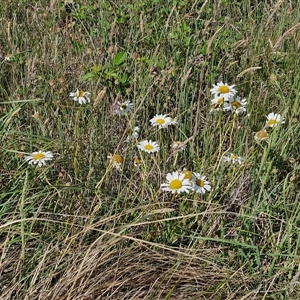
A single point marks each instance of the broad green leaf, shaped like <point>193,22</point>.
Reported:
<point>119,58</point>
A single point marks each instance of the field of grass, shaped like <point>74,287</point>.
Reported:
<point>82,228</point>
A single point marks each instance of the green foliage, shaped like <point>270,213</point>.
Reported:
<point>112,74</point>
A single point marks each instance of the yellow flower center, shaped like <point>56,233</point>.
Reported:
<point>148,147</point>
<point>117,159</point>
<point>81,93</point>
<point>236,104</point>
<point>124,106</point>
<point>160,121</point>
<point>234,157</point>
<point>39,156</point>
<point>272,122</point>
<point>187,174</point>
<point>36,116</point>
<point>175,184</point>
<point>223,89</point>
<point>200,182</point>
<point>220,101</point>
<point>261,135</point>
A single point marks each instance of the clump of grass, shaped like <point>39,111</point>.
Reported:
<point>92,220</point>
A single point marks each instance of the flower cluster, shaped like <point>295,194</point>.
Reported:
<point>186,182</point>
<point>178,182</point>
<point>161,121</point>
<point>225,99</point>
<point>148,145</point>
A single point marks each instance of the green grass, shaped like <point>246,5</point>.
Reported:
<point>78,228</point>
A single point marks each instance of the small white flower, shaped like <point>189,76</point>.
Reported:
<point>217,100</point>
<point>219,103</point>
<point>7,57</point>
<point>161,121</point>
<point>123,108</point>
<point>116,160</point>
<point>200,184</point>
<point>223,90</point>
<point>132,134</point>
<point>274,119</point>
<point>39,158</point>
<point>238,105</point>
<point>81,97</point>
<point>36,115</point>
<point>176,183</point>
<point>234,159</point>
<point>148,146</point>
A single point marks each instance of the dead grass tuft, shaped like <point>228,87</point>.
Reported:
<point>132,272</point>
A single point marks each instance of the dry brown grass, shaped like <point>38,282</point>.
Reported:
<point>130,272</point>
<point>119,267</point>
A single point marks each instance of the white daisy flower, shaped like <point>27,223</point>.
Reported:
<point>39,158</point>
<point>7,57</point>
<point>261,135</point>
<point>200,184</point>
<point>219,103</point>
<point>223,90</point>
<point>217,100</point>
<point>161,121</point>
<point>176,183</point>
<point>133,133</point>
<point>123,108</point>
<point>81,96</point>
<point>36,115</point>
<point>274,119</point>
<point>238,105</point>
<point>148,146</point>
<point>234,159</point>
<point>116,160</point>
